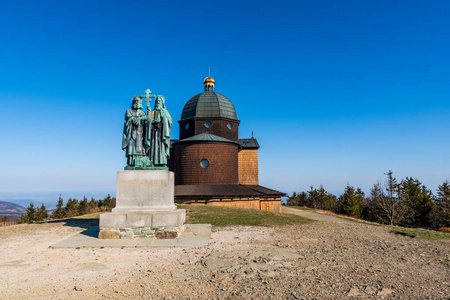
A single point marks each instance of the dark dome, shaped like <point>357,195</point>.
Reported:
<point>209,104</point>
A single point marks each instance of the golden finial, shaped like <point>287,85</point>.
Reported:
<point>209,83</point>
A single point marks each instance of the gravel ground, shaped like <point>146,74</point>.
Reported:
<point>328,259</point>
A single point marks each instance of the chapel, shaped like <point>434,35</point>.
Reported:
<point>212,165</point>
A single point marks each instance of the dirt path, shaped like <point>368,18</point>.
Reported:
<point>312,215</point>
<point>328,259</point>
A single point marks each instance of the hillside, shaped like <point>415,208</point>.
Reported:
<point>11,208</point>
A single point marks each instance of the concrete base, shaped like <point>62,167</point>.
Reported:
<point>144,205</point>
<point>145,190</point>
<point>197,235</point>
<point>173,218</point>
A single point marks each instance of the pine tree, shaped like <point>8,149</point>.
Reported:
<point>71,208</point>
<point>83,206</point>
<point>59,211</point>
<point>292,200</point>
<point>349,202</point>
<point>313,197</point>
<point>41,213</point>
<point>375,213</point>
<point>4,220</point>
<point>112,203</point>
<point>302,199</point>
<point>92,205</point>
<point>442,210</point>
<point>419,201</point>
<point>30,215</point>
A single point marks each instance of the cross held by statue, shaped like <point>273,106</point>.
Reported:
<point>147,97</point>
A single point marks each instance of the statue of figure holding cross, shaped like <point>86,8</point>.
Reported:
<point>135,135</point>
<point>146,136</point>
<point>160,132</point>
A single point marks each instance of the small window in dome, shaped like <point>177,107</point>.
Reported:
<point>230,126</point>
<point>207,124</point>
<point>186,126</point>
<point>204,163</point>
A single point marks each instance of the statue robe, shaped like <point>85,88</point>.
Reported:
<point>160,142</point>
<point>135,135</point>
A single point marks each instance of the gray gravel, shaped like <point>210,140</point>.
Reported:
<point>327,259</point>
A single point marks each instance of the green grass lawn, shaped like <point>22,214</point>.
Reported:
<point>90,216</point>
<point>216,216</point>
<point>303,208</point>
<point>420,233</point>
<point>226,216</point>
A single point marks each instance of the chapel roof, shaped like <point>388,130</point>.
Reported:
<point>250,143</point>
<point>209,104</point>
<point>225,190</point>
<point>206,137</point>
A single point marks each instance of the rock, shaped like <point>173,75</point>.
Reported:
<point>166,234</point>
<point>384,292</point>
<point>354,292</point>
<point>128,235</point>
<point>160,234</point>
<point>310,268</point>
<point>171,234</point>
<point>109,234</point>
<point>370,290</point>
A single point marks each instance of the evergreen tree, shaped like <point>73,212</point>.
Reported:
<point>325,200</point>
<point>29,216</point>
<point>349,202</point>
<point>108,203</point>
<point>41,213</point>
<point>59,211</point>
<point>83,206</point>
<point>292,200</point>
<point>112,203</point>
<point>4,220</point>
<point>297,199</point>
<point>419,201</point>
<point>313,197</point>
<point>375,213</point>
<point>92,205</point>
<point>71,208</point>
<point>442,209</point>
<point>31,213</point>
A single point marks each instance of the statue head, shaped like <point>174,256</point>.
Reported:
<point>137,102</point>
<point>160,102</point>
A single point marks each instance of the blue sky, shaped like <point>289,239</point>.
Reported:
<point>336,92</point>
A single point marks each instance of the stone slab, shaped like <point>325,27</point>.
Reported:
<point>145,190</point>
<point>199,229</point>
<point>193,241</point>
<point>88,239</point>
<point>174,218</point>
<point>163,243</point>
<point>120,243</point>
<point>114,220</point>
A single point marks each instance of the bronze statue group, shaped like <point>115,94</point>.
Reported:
<point>146,137</point>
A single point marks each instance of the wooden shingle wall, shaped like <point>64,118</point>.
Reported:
<point>248,166</point>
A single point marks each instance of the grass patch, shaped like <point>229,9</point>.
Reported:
<point>90,216</point>
<point>303,208</point>
<point>359,221</point>
<point>420,233</point>
<point>227,216</point>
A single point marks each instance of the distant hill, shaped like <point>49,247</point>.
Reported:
<point>11,208</point>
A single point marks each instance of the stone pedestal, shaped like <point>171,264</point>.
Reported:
<point>144,206</point>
